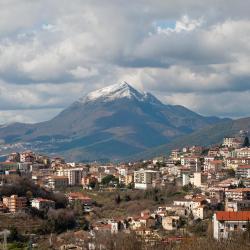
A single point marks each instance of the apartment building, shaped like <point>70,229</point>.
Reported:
<point>74,175</point>
<point>144,179</point>
<point>238,194</point>
<point>243,152</point>
<point>15,203</point>
<point>57,182</point>
<point>243,171</point>
<point>228,141</point>
<point>236,206</point>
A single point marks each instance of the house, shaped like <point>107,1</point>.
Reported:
<point>57,182</point>
<point>3,208</point>
<point>15,203</point>
<point>200,212</point>
<point>198,207</point>
<point>42,204</point>
<point>87,180</point>
<point>226,223</point>
<point>27,156</point>
<point>170,222</point>
<point>79,197</point>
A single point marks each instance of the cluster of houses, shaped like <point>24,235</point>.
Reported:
<point>220,173</point>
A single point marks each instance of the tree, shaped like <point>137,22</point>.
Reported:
<point>241,185</point>
<point>15,235</point>
<point>60,220</point>
<point>92,184</point>
<point>117,199</point>
<point>127,197</point>
<point>246,142</point>
<point>231,172</point>
<point>109,179</point>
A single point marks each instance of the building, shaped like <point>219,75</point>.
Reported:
<point>42,204</point>
<point>193,162</point>
<point>243,171</point>
<point>185,179</point>
<point>74,175</point>
<point>197,179</point>
<point>3,208</point>
<point>227,223</point>
<point>243,152</point>
<point>15,203</point>
<point>27,156</point>
<point>57,182</point>
<point>170,222</point>
<point>144,179</point>
<point>217,192</point>
<point>238,194</point>
<point>228,142</point>
<point>79,197</point>
<point>236,206</point>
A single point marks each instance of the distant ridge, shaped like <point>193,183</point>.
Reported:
<point>112,123</point>
<point>211,135</point>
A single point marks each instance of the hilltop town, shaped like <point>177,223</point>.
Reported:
<point>195,195</point>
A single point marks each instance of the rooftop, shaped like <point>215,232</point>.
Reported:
<point>233,216</point>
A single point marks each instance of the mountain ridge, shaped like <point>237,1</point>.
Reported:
<point>113,122</point>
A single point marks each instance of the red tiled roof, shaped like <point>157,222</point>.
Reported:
<point>244,166</point>
<point>239,190</point>
<point>233,216</point>
<point>42,199</point>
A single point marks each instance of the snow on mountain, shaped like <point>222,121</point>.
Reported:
<point>114,92</point>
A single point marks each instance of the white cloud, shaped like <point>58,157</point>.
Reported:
<point>184,24</point>
<point>49,48</point>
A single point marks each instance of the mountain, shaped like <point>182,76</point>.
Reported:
<point>211,135</point>
<point>112,123</point>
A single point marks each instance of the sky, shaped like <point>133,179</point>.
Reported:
<point>192,53</point>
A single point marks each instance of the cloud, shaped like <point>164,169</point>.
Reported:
<point>192,50</point>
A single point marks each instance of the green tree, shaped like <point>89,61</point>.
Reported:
<point>14,235</point>
<point>110,179</point>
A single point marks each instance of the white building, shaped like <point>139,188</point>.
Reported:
<point>228,141</point>
<point>197,179</point>
<point>185,179</point>
<point>227,223</point>
<point>74,175</point>
<point>42,204</point>
<point>242,153</point>
<point>144,179</point>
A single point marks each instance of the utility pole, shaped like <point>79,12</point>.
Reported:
<point>5,234</point>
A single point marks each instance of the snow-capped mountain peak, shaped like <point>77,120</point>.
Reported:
<point>113,92</point>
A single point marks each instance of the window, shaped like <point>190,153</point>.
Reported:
<point>221,230</point>
<point>235,227</point>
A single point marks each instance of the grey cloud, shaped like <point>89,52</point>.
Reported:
<point>49,48</point>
